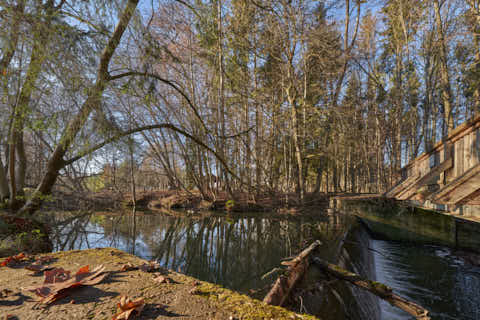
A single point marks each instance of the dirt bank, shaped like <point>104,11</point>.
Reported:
<point>183,298</point>
<point>191,201</point>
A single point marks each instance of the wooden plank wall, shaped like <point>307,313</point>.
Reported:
<point>465,150</point>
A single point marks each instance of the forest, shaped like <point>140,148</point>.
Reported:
<point>253,96</point>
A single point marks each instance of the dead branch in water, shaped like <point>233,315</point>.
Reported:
<point>376,288</point>
<point>285,283</point>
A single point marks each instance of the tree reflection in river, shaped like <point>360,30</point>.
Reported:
<point>232,251</point>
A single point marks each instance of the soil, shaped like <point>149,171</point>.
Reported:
<point>163,300</point>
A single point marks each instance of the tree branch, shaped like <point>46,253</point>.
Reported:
<point>151,127</point>
<point>167,82</point>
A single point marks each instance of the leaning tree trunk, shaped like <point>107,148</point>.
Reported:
<point>286,282</point>
<point>56,161</point>
<point>377,288</point>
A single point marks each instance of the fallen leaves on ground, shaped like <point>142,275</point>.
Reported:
<point>37,268</point>
<point>38,265</point>
<point>161,279</point>
<point>128,267</point>
<point>44,259</point>
<point>194,291</point>
<point>58,282</point>
<point>150,266</point>
<point>13,259</point>
<point>127,307</point>
<point>5,293</point>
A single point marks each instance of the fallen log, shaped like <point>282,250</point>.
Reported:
<point>377,288</point>
<point>285,282</point>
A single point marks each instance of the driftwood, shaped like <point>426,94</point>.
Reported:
<point>376,288</point>
<point>285,283</point>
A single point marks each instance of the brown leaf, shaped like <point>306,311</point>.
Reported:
<point>5,293</point>
<point>43,259</point>
<point>13,259</point>
<point>162,279</point>
<point>150,266</point>
<point>128,267</point>
<point>37,268</point>
<point>58,282</point>
<point>194,290</point>
<point>126,308</point>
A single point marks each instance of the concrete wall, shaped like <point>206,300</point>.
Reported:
<point>394,220</point>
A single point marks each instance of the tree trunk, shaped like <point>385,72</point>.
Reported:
<point>56,161</point>
<point>296,145</point>
<point>376,288</point>
<point>444,75</point>
<point>286,282</point>
<point>4,192</point>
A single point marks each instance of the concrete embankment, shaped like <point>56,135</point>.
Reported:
<point>400,220</point>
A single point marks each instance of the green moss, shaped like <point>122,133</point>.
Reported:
<point>381,287</point>
<point>245,307</point>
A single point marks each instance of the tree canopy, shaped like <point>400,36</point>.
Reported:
<point>237,95</point>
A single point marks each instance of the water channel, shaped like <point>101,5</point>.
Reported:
<point>236,251</point>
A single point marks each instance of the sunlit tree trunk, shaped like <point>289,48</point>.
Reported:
<point>56,160</point>
<point>444,74</point>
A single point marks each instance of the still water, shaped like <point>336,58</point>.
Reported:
<point>236,251</point>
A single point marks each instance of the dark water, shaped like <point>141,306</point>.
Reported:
<point>231,251</point>
<point>432,276</point>
<point>236,251</point>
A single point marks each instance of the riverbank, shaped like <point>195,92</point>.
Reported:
<point>177,296</point>
<point>193,201</point>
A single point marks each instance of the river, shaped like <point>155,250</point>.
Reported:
<point>238,251</point>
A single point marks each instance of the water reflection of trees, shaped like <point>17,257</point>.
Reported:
<point>234,252</point>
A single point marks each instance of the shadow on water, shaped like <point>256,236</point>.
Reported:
<point>235,251</point>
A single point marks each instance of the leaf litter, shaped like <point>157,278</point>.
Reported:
<point>59,283</point>
<point>127,308</point>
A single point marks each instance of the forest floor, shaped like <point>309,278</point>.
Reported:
<point>191,201</point>
<point>166,293</point>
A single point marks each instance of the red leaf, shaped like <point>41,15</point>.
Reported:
<point>12,259</point>
<point>58,282</point>
<point>83,270</point>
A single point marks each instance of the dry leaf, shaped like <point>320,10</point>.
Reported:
<point>38,265</point>
<point>5,293</point>
<point>13,259</point>
<point>43,259</point>
<point>126,308</point>
<point>38,268</point>
<point>150,266</point>
<point>58,282</point>
<point>162,279</point>
<point>128,267</point>
<point>194,290</point>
